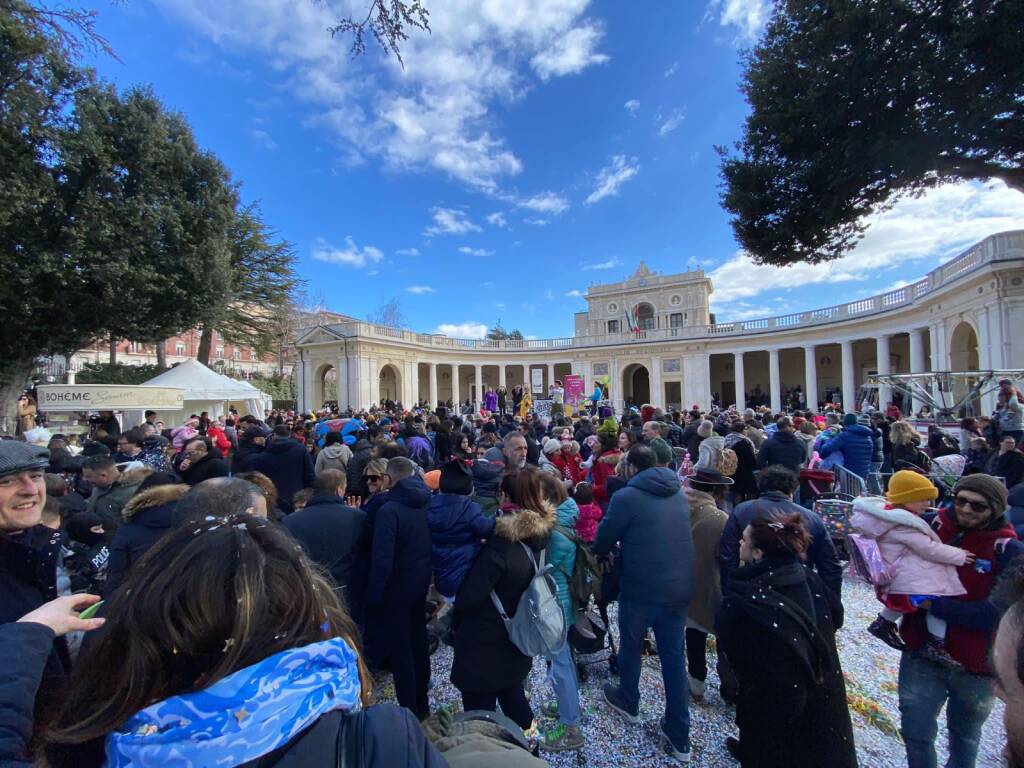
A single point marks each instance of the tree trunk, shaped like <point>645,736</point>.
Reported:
<point>205,342</point>
<point>14,375</point>
<point>113,351</point>
<point>161,355</point>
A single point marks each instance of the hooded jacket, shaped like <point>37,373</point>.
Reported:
<point>147,517</point>
<point>108,502</point>
<point>709,452</point>
<point>486,660</point>
<point>563,556</point>
<point>744,482</point>
<point>782,448</point>
<point>971,618</point>
<point>335,456</point>
<point>603,468</point>
<point>361,453</point>
<point>209,466</point>
<point>401,551</point>
<point>651,520</point>
<point>486,479</point>
<point>329,531</point>
<point>857,445</point>
<point>457,528</point>
<point>706,524</point>
<point>921,563</point>
<point>287,462</point>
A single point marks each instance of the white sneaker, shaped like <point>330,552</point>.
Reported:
<point>697,687</point>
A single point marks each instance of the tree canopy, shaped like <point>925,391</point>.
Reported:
<point>855,104</point>
<point>498,333</point>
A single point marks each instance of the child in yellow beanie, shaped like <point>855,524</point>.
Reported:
<point>919,566</point>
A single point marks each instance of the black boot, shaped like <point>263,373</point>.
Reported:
<point>887,632</point>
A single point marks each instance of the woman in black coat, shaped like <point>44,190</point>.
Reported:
<point>744,483</point>
<point>776,627</point>
<point>488,668</point>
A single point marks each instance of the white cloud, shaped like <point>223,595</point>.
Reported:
<point>916,235</point>
<point>419,290</point>
<point>671,122</point>
<point>438,112</point>
<point>575,293</point>
<point>263,138</point>
<point>351,255</point>
<point>450,221</point>
<point>497,220</point>
<point>613,176</point>
<point>536,222</point>
<point>570,54</point>
<point>608,264</point>
<point>475,251</point>
<point>632,106</point>
<point>673,68</point>
<point>747,17</point>
<point>470,329</point>
<point>545,202</point>
<point>408,252</point>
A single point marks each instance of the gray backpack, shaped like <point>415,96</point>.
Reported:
<point>539,624</point>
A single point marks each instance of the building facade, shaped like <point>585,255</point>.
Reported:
<point>655,340</point>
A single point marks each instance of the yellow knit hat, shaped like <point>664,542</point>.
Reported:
<point>907,485</point>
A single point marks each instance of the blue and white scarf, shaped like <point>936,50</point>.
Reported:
<point>246,715</point>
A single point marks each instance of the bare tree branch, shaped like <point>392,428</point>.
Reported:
<point>388,20</point>
<point>73,29</point>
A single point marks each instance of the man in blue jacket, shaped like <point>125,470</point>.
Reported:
<point>777,484</point>
<point>399,578</point>
<point>783,448</point>
<point>287,462</point>
<point>649,518</point>
<point>856,443</point>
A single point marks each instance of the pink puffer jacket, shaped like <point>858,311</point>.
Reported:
<point>922,564</point>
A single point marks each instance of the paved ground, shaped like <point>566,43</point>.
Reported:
<point>870,669</point>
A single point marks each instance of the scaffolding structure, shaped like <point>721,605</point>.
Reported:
<point>949,395</point>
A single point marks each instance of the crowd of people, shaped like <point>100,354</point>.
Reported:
<point>228,590</point>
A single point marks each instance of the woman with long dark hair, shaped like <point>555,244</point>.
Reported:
<point>777,629</point>
<point>224,646</point>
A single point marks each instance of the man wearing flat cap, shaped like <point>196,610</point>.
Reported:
<point>28,549</point>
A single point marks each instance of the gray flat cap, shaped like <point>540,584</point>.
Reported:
<point>16,456</point>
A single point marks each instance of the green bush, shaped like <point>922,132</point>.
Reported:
<point>118,373</point>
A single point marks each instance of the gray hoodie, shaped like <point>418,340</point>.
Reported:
<point>333,457</point>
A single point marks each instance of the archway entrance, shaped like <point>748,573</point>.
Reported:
<point>645,317</point>
<point>636,385</point>
<point>325,385</point>
<point>390,383</point>
<point>963,356</point>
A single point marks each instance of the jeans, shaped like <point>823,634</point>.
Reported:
<point>562,677</point>
<point>668,622</point>
<point>874,480</point>
<point>924,686</point>
<point>512,700</point>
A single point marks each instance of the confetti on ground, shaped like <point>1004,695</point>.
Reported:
<point>870,668</point>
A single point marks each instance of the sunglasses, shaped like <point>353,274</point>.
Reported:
<point>976,506</point>
<point>372,478</point>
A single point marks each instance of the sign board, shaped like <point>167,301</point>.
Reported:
<point>109,397</point>
<point>542,409</point>
<point>574,389</point>
<point>537,381</point>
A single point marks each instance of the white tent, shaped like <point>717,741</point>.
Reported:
<point>207,390</point>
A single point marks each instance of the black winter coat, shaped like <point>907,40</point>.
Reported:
<point>244,457</point>
<point>400,552</point>
<point>28,578</point>
<point>287,462</point>
<point>692,440</point>
<point>743,480</point>
<point>30,644</point>
<point>147,517</point>
<point>782,448</point>
<point>210,466</point>
<point>361,452</point>
<point>486,661</point>
<point>776,627</point>
<point>330,532</point>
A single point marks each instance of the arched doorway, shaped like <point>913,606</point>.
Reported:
<point>390,383</point>
<point>963,356</point>
<point>325,385</point>
<point>636,384</point>
<point>645,316</point>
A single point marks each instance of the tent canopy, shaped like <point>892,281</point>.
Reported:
<point>207,390</point>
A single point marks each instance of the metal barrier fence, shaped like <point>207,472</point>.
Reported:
<point>849,483</point>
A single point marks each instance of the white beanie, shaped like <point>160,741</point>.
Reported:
<point>706,428</point>
<point>551,445</point>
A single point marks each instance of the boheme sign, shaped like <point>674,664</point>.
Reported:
<point>108,397</point>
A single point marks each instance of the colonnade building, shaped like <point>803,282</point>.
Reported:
<point>654,340</point>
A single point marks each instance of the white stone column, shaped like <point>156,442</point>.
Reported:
<point>456,395</point>
<point>774,381</point>
<point>940,347</point>
<point>811,377</point>
<point>614,385</point>
<point>849,378</point>
<point>883,361</point>
<point>741,380</point>
<point>697,380</point>
<point>478,373</point>
<point>551,376</point>
<point>374,377</point>
<point>306,391</point>
<point>341,379</point>
<point>917,364</point>
<point>985,356</point>
<point>657,388</point>
<point>412,384</point>
<point>501,376</point>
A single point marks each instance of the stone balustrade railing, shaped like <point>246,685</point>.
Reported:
<point>1002,246</point>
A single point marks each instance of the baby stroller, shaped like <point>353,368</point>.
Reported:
<point>591,643</point>
<point>835,509</point>
<point>815,483</point>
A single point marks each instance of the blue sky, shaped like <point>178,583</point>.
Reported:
<point>528,149</point>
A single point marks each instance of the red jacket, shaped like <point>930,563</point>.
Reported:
<point>603,468</point>
<point>218,438</point>
<point>569,466</point>
<point>971,618</point>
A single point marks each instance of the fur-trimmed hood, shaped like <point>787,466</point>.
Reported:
<point>871,517</point>
<point>151,498</point>
<point>133,476</point>
<point>526,524</point>
<point>611,457</point>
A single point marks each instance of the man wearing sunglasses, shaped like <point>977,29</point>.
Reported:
<point>975,522</point>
